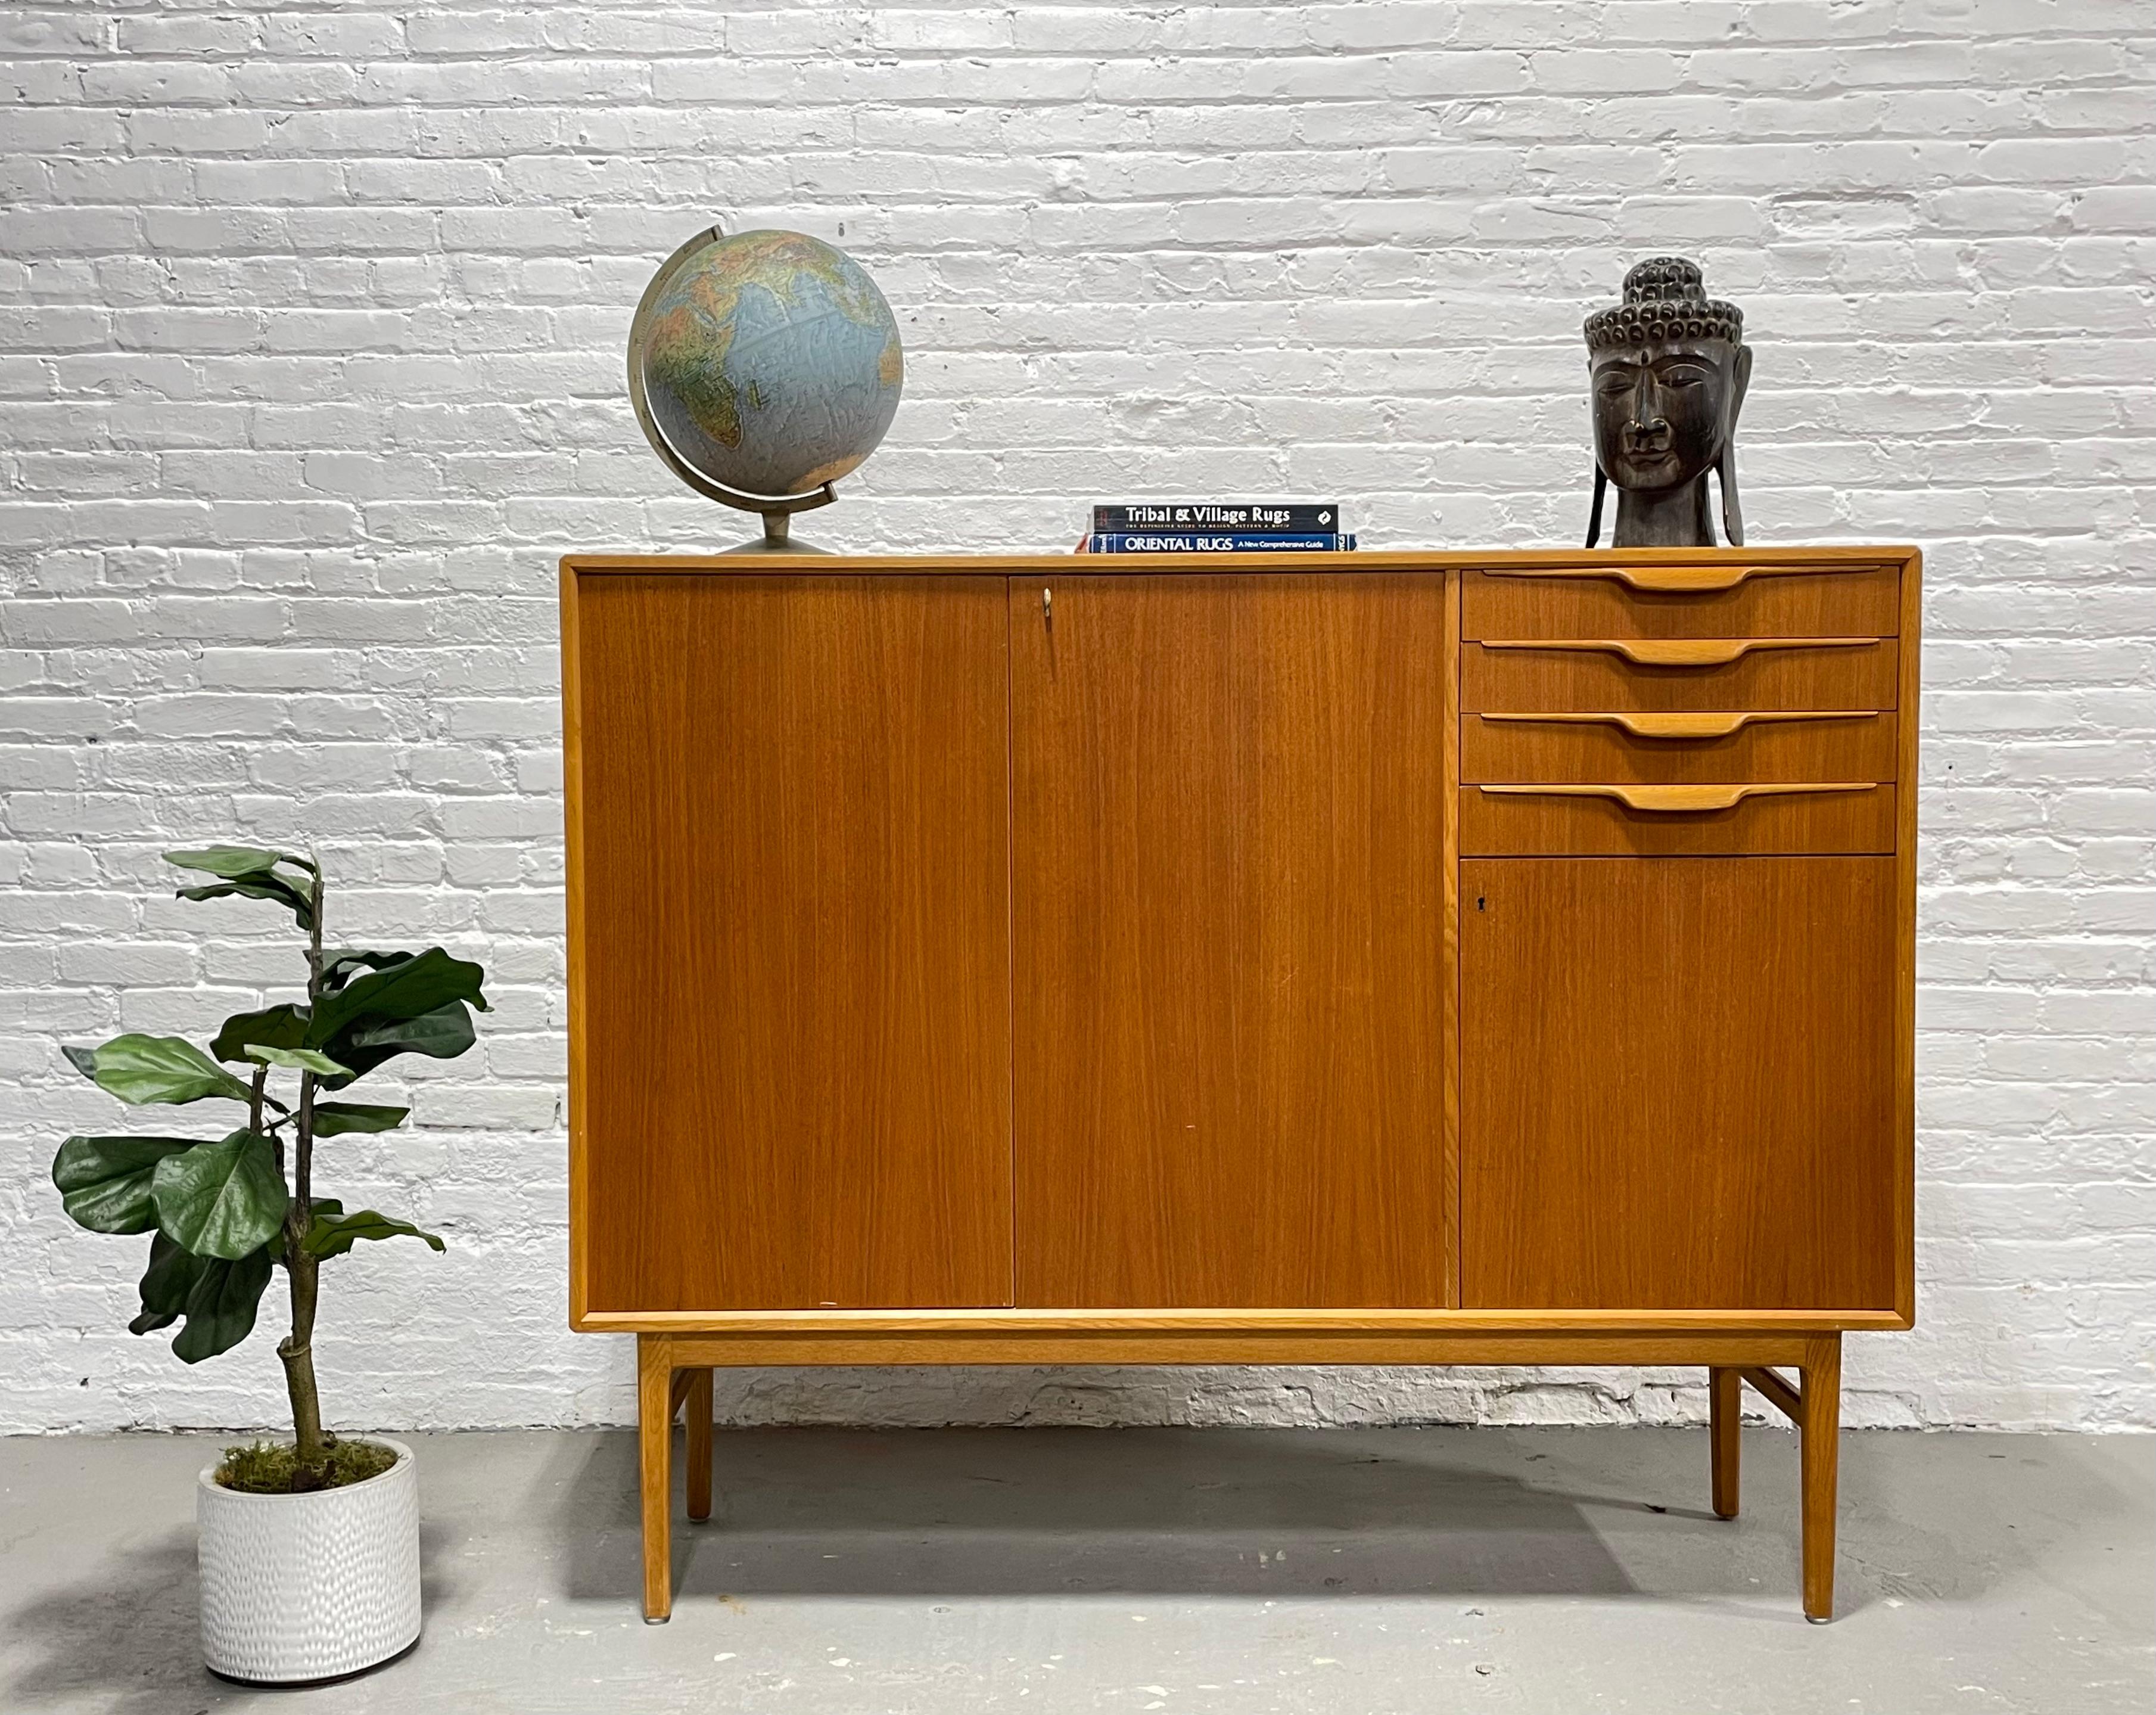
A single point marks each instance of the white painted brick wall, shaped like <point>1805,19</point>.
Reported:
<point>312,367</point>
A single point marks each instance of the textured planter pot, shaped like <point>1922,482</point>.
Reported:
<point>308,1587</point>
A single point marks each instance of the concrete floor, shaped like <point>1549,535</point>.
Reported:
<point>1202,1571</point>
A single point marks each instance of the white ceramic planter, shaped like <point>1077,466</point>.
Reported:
<point>307,1587</point>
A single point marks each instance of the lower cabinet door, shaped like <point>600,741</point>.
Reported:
<point>1678,1083</point>
<point>1228,857</point>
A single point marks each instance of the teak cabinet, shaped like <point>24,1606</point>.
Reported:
<point>1393,958</point>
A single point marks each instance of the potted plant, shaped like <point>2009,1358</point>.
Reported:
<point>309,1553</point>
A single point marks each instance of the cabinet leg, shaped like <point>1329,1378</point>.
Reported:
<point>1821,1434</point>
<point>1724,1388</point>
<point>698,1407</point>
<point>655,1430</point>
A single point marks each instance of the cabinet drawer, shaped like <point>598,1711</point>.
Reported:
<point>1755,745</point>
<point>1599,675</point>
<point>1617,820</point>
<point>1683,601</point>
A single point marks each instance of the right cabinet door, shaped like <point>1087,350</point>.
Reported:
<point>1227,955</point>
<point>1677,1083</point>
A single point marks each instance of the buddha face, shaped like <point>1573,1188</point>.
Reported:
<point>1663,413</point>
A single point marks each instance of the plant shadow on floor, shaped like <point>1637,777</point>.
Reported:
<point>1071,1512</point>
<point>130,1636</point>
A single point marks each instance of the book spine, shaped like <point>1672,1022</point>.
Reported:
<point>1185,517</point>
<point>1232,541</point>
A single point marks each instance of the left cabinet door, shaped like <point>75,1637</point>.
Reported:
<point>789,942</point>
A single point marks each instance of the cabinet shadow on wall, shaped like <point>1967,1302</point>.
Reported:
<point>1069,1511</point>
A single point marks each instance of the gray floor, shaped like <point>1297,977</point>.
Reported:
<point>1208,1572</point>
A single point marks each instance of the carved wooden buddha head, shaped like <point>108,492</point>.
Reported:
<point>1667,371</point>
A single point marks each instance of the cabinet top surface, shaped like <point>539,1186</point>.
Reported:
<point>1837,554</point>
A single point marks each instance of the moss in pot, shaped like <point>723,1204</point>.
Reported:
<point>310,1550</point>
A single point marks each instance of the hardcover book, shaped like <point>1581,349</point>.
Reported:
<point>1247,516</point>
<point>1229,541</point>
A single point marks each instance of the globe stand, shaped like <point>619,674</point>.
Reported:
<point>777,537</point>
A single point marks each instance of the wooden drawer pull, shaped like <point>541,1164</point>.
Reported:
<point>1669,580</point>
<point>1680,651</point>
<point>1676,800</point>
<point>1665,726</point>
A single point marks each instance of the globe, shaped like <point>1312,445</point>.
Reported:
<point>763,366</point>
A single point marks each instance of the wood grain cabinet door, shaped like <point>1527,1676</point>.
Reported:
<point>1228,813</point>
<point>791,1070</point>
<point>1677,1083</point>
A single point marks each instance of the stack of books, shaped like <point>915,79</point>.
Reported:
<point>1216,527</point>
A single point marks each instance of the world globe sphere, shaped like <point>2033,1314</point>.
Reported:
<point>763,365</point>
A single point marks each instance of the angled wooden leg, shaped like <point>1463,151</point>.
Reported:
<point>655,1429</point>
<point>1724,1391</point>
<point>699,1438</point>
<point>1821,1435</point>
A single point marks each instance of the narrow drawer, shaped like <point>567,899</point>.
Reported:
<point>1683,601</point>
<point>1623,675</point>
<point>1809,744</point>
<point>1701,820</point>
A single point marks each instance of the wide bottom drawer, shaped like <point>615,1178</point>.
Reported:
<point>1699,820</point>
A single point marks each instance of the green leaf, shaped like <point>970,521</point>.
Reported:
<point>333,1235</point>
<point>257,887</point>
<point>405,1004</point>
<point>406,990</point>
<point>222,1199</point>
<point>441,1034</point>
<point>104,1182</point>
<point>251,871</point>
<point>218,1297</point>
<point>166,1283</point>
<point>304,1059</point>
<point>340,966</point>
<point>230,861</point>
<point>221,1308</point>
<point>282,1026</point>
<point>333,1119</point>
<point>141,1069</point>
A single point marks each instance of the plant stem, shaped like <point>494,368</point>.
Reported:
<point>255,1116</point>
<point>315,936</point>
<point>297,1349</point>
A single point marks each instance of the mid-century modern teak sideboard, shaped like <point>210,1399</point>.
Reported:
<point>1390,958</point>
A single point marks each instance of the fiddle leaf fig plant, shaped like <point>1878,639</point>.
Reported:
<point>225,1213</point>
